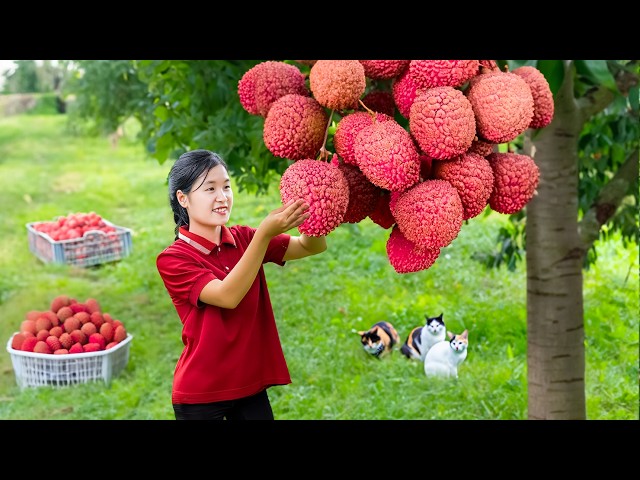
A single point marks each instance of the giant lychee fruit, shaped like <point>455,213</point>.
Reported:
<point>472,177</point>
<point>348,129</point>
<point>363,194</point>
<point>405,257</point>
<point>442,73</point>
<point>386,154</point>
<point>337,84</point>
<point>383,69</point>
<point>442,122</point>
<point>429,214</point>
<point>502,103</point>
<point>516,178</point>
<point>294,127</point>
<point>266,82</point>
<point>543,106</point>
<point>323,187</point>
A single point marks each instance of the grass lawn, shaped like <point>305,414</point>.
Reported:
<point>45,172</point>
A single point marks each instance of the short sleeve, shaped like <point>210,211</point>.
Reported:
<point>183,276</point>
<point>277,248</point>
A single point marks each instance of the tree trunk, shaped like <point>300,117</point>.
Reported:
<point>554,252</point>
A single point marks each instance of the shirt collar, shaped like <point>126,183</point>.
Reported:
<point>202,244</point>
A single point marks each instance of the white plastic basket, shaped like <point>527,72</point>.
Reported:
<point>45,369</point>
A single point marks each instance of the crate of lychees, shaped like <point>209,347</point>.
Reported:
<point>71,342</point>
<point>81,239</point>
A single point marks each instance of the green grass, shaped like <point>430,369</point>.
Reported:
<point>318,301</point>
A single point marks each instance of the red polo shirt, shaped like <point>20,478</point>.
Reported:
<point>228,353</point>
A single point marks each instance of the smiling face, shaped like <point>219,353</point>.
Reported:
<point>209,203</point>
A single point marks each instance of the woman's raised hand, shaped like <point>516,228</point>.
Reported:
<point>285,217</point>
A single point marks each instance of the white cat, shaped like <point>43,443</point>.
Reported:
<point>444,358</point>
<point>421,339</point>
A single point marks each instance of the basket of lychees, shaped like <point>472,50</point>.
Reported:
<point>71,342</point>
<point>80,239</point>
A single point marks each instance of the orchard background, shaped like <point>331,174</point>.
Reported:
<point>54,164</point>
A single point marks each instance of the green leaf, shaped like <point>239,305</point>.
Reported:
<point>597,72</point>
<point>513,64</point>
<point>161,112</point>
<point>553,71</point>
<point>633,98</point>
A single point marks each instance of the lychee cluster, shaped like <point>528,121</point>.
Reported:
<point>416,143</point>
<point>68,327</point>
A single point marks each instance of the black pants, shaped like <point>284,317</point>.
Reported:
<point>255,407</point>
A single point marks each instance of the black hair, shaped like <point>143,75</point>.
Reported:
<point>185,171</point>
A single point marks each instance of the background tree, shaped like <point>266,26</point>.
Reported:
<point>23,78</point>
<point>181,105</point>
<point>587,156</point>
<point>106,92</point>
<point>588,160</point>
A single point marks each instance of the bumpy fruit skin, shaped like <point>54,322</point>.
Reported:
<point>337,84</point>
<point>119,334</point>
<point>78,336</point>
<point>107,331</point>
<point>442,73</point>
<point>481,147</point>
<point>17,340</point>
<point>404,91</point>
<point>66,341</point>
<point>294,127</point>
<point>442,122</point>
<point>429,214</point>
<point>487,65</point>
<point>472,177</point>
<point>99,339</point>
<point>363,194</point>
<point>91,347</point>
<point>516,178</point>
<point>543,105</point>
<point>323,187</point>
<point>64,313</point>
<point>88,328</point>
<point>53,342</point>
<point>405,257</point>
<point>379,101</point>
<point>386,154</point>
<point>93,305</point>
<point>381,214</point>
<point>266,82</point>
<point>502,103</point>
<point>29,344</point>
<point>348,129</point>
<point>42,347</point>
<point>383,69</point>
<point>71,324</point>
<point>59,302</point>
<point>28,326</point>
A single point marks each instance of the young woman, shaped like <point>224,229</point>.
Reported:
<point>215,278</point>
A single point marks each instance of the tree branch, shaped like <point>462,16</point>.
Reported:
<point>598,98</point>
<point>608,201</point>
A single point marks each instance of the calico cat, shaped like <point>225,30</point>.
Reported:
<point>444,358</point>
<point>379,340</point>
<point>421,339</point>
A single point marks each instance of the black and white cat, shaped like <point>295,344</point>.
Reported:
<point>421,339</point>
<point>444,358</point>
<point>380,339</point>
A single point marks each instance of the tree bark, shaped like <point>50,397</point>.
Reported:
<point>554,253</point>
